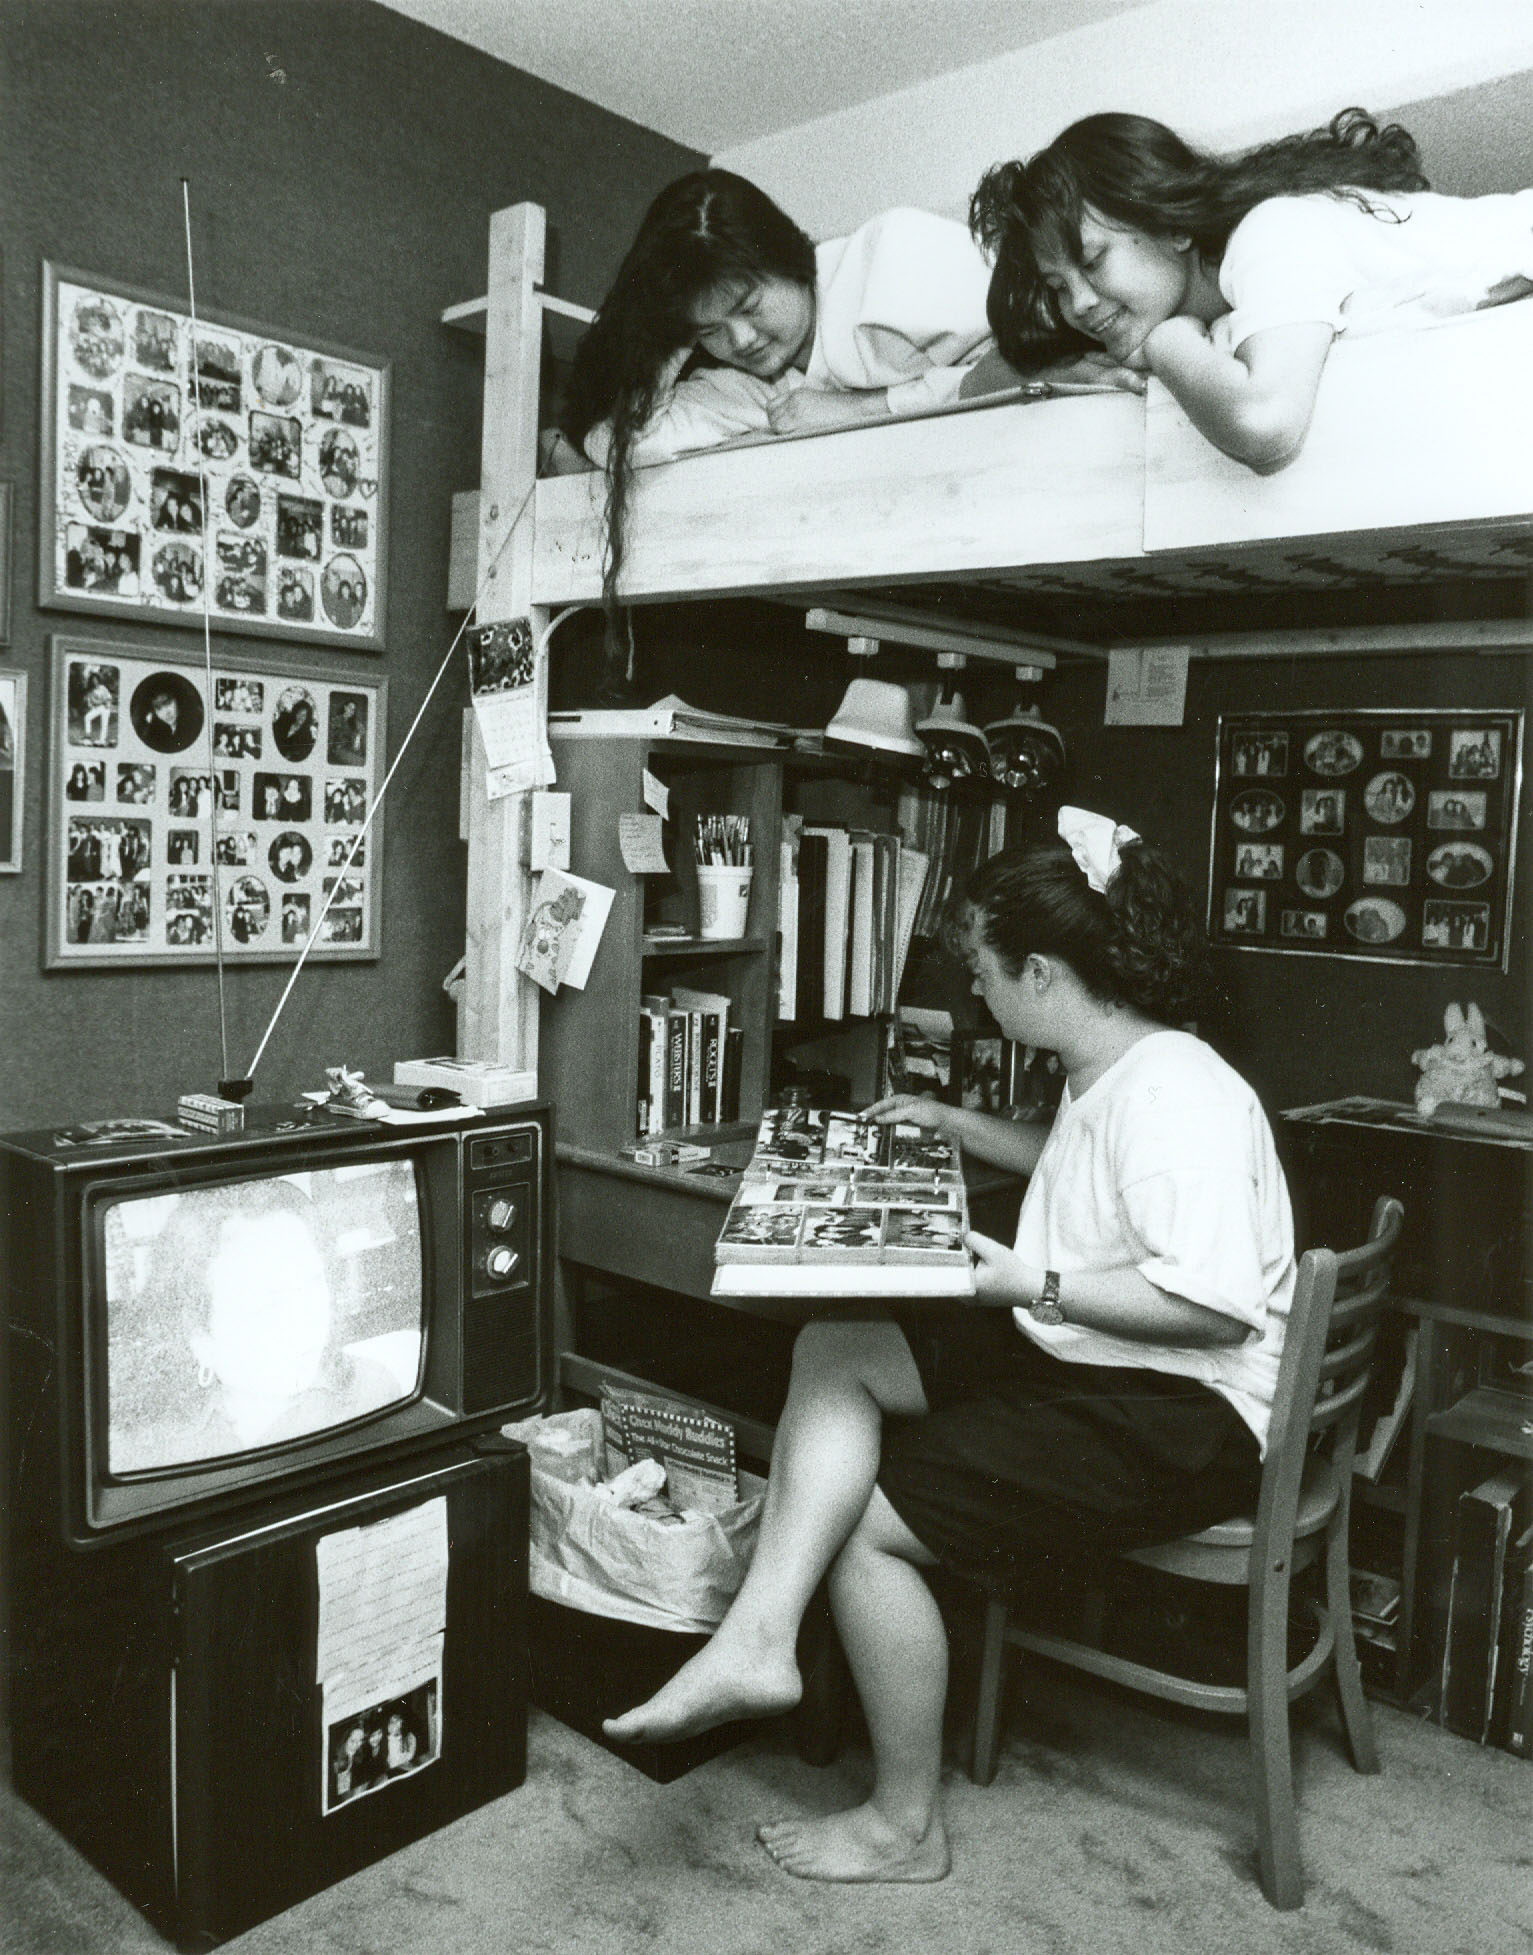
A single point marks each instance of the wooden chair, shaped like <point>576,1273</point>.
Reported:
<point>1302,1515</point>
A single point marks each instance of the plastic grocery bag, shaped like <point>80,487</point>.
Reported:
<point>591,1554</point>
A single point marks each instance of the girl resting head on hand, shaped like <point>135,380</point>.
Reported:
<point>1122,236</point>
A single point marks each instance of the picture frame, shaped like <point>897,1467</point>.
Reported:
<point>193,810</point>
<point>13,778</point>
<point>1382,834</point>
<point>162,450</point>
<point>7,537</point>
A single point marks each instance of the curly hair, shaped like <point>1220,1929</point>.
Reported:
<point>708,229</point>
<point>1137,173</point>
<point>1140,944</point>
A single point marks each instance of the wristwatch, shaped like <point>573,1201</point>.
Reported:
<point>1045,1307</point>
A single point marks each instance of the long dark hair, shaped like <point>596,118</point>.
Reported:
<point>1140,174</point>
<point>1138,944</point>
<point>705,230</point>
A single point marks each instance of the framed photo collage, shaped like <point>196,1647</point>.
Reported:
<point>1389,836</point>
<point>227,457</point>
<point>172,798</point>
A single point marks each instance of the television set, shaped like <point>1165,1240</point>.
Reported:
<point>198,1318</point>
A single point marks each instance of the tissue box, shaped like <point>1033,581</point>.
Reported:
<point>477,1082</point>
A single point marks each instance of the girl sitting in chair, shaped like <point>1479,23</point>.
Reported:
<point>1117,1392</point>
<point>1229,277</point>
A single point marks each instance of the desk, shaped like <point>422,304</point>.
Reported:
<point>657,1226</point>
<point>1463,1277</point>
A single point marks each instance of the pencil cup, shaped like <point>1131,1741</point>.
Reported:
<point>723,899</point>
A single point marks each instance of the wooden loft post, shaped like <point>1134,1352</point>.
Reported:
<point>498,1018</point>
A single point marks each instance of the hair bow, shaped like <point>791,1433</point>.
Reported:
<point>1094,841</point>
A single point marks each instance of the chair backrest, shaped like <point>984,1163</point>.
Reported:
<point>1327,1359</point>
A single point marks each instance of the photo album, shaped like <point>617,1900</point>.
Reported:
<point>837,1206</point>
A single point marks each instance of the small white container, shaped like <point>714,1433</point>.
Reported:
<point>723,899</point>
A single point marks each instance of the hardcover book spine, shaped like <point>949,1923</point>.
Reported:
<point>658,1053</point>
<point>1512,1722</point>
<point>676,1069</point>
<point>641,1091</point>
<point>694,1067</point>
<point>712,1069</point>
<point>1482,1531</point>
<point>734,1051</point>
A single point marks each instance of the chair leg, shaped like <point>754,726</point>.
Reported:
<point>987,1710</point>
<point>1355,1716</point>
<point>1277,1829</point>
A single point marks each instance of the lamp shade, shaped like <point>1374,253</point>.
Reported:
<point>876,713</point>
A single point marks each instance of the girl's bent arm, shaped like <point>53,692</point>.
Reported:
<point>1010,1144</point>
<point>1120,1302</point>
<point>1256,404</point>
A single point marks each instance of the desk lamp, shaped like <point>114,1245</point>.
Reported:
<point>955,749</point>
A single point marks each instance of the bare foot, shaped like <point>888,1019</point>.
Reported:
<point>724,1681</point>
<point>857,1845</point>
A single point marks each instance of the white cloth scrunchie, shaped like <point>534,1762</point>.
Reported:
<point>1094,841</point>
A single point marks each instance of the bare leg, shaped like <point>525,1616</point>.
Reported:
<point>897,1648</point>
<point>824,1463</point>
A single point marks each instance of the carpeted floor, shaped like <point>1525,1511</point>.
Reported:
<point>1115,1824</point>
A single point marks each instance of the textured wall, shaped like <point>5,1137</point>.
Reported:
<point>343,163</point>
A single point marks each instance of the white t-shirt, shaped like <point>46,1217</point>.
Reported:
<point>1166,1164</point>
<point>1322,259</point>
<point>899,306</point>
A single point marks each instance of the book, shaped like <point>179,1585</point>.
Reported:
<point>1486,1519</point>
<point>711,1010</point>
<point>838,905</point>
<point>671,718</point>
<point>813,859</point>
<point>675,1067</point>
<point>1513,1720</point>
<point>859,998</point>
<point>787,928</point>
<point>910,884</point>
<point>834,1205</point>
<point>654,1055</point>
<point>734,1052</point>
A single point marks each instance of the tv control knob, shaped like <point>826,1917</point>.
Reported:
<point>501,1261</point>
<point>500,1214</point>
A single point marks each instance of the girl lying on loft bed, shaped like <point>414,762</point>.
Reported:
<point>1229,277</point>
<point>1117,1392</point>
<point>725,320</point>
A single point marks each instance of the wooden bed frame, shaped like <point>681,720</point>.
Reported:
<point>1418,467</point>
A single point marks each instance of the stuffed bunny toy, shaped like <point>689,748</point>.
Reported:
<point>1462,1068</point>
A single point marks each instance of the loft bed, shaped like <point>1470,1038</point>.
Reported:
<point>1417,467</point>
<point>1417,472</point>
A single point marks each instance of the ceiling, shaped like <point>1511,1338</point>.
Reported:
<point>715,73</point>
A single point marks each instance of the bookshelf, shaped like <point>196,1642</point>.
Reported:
<point>590,1038</point>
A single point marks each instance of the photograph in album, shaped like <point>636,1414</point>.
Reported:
<point>836,1205</point>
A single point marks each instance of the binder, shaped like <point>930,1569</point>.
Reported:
<point>1485,1521</point>
<point>838,897</point>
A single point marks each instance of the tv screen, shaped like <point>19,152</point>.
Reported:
<point>257,1312</point>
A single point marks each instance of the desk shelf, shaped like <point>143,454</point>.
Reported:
<point>1500,1422</point>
